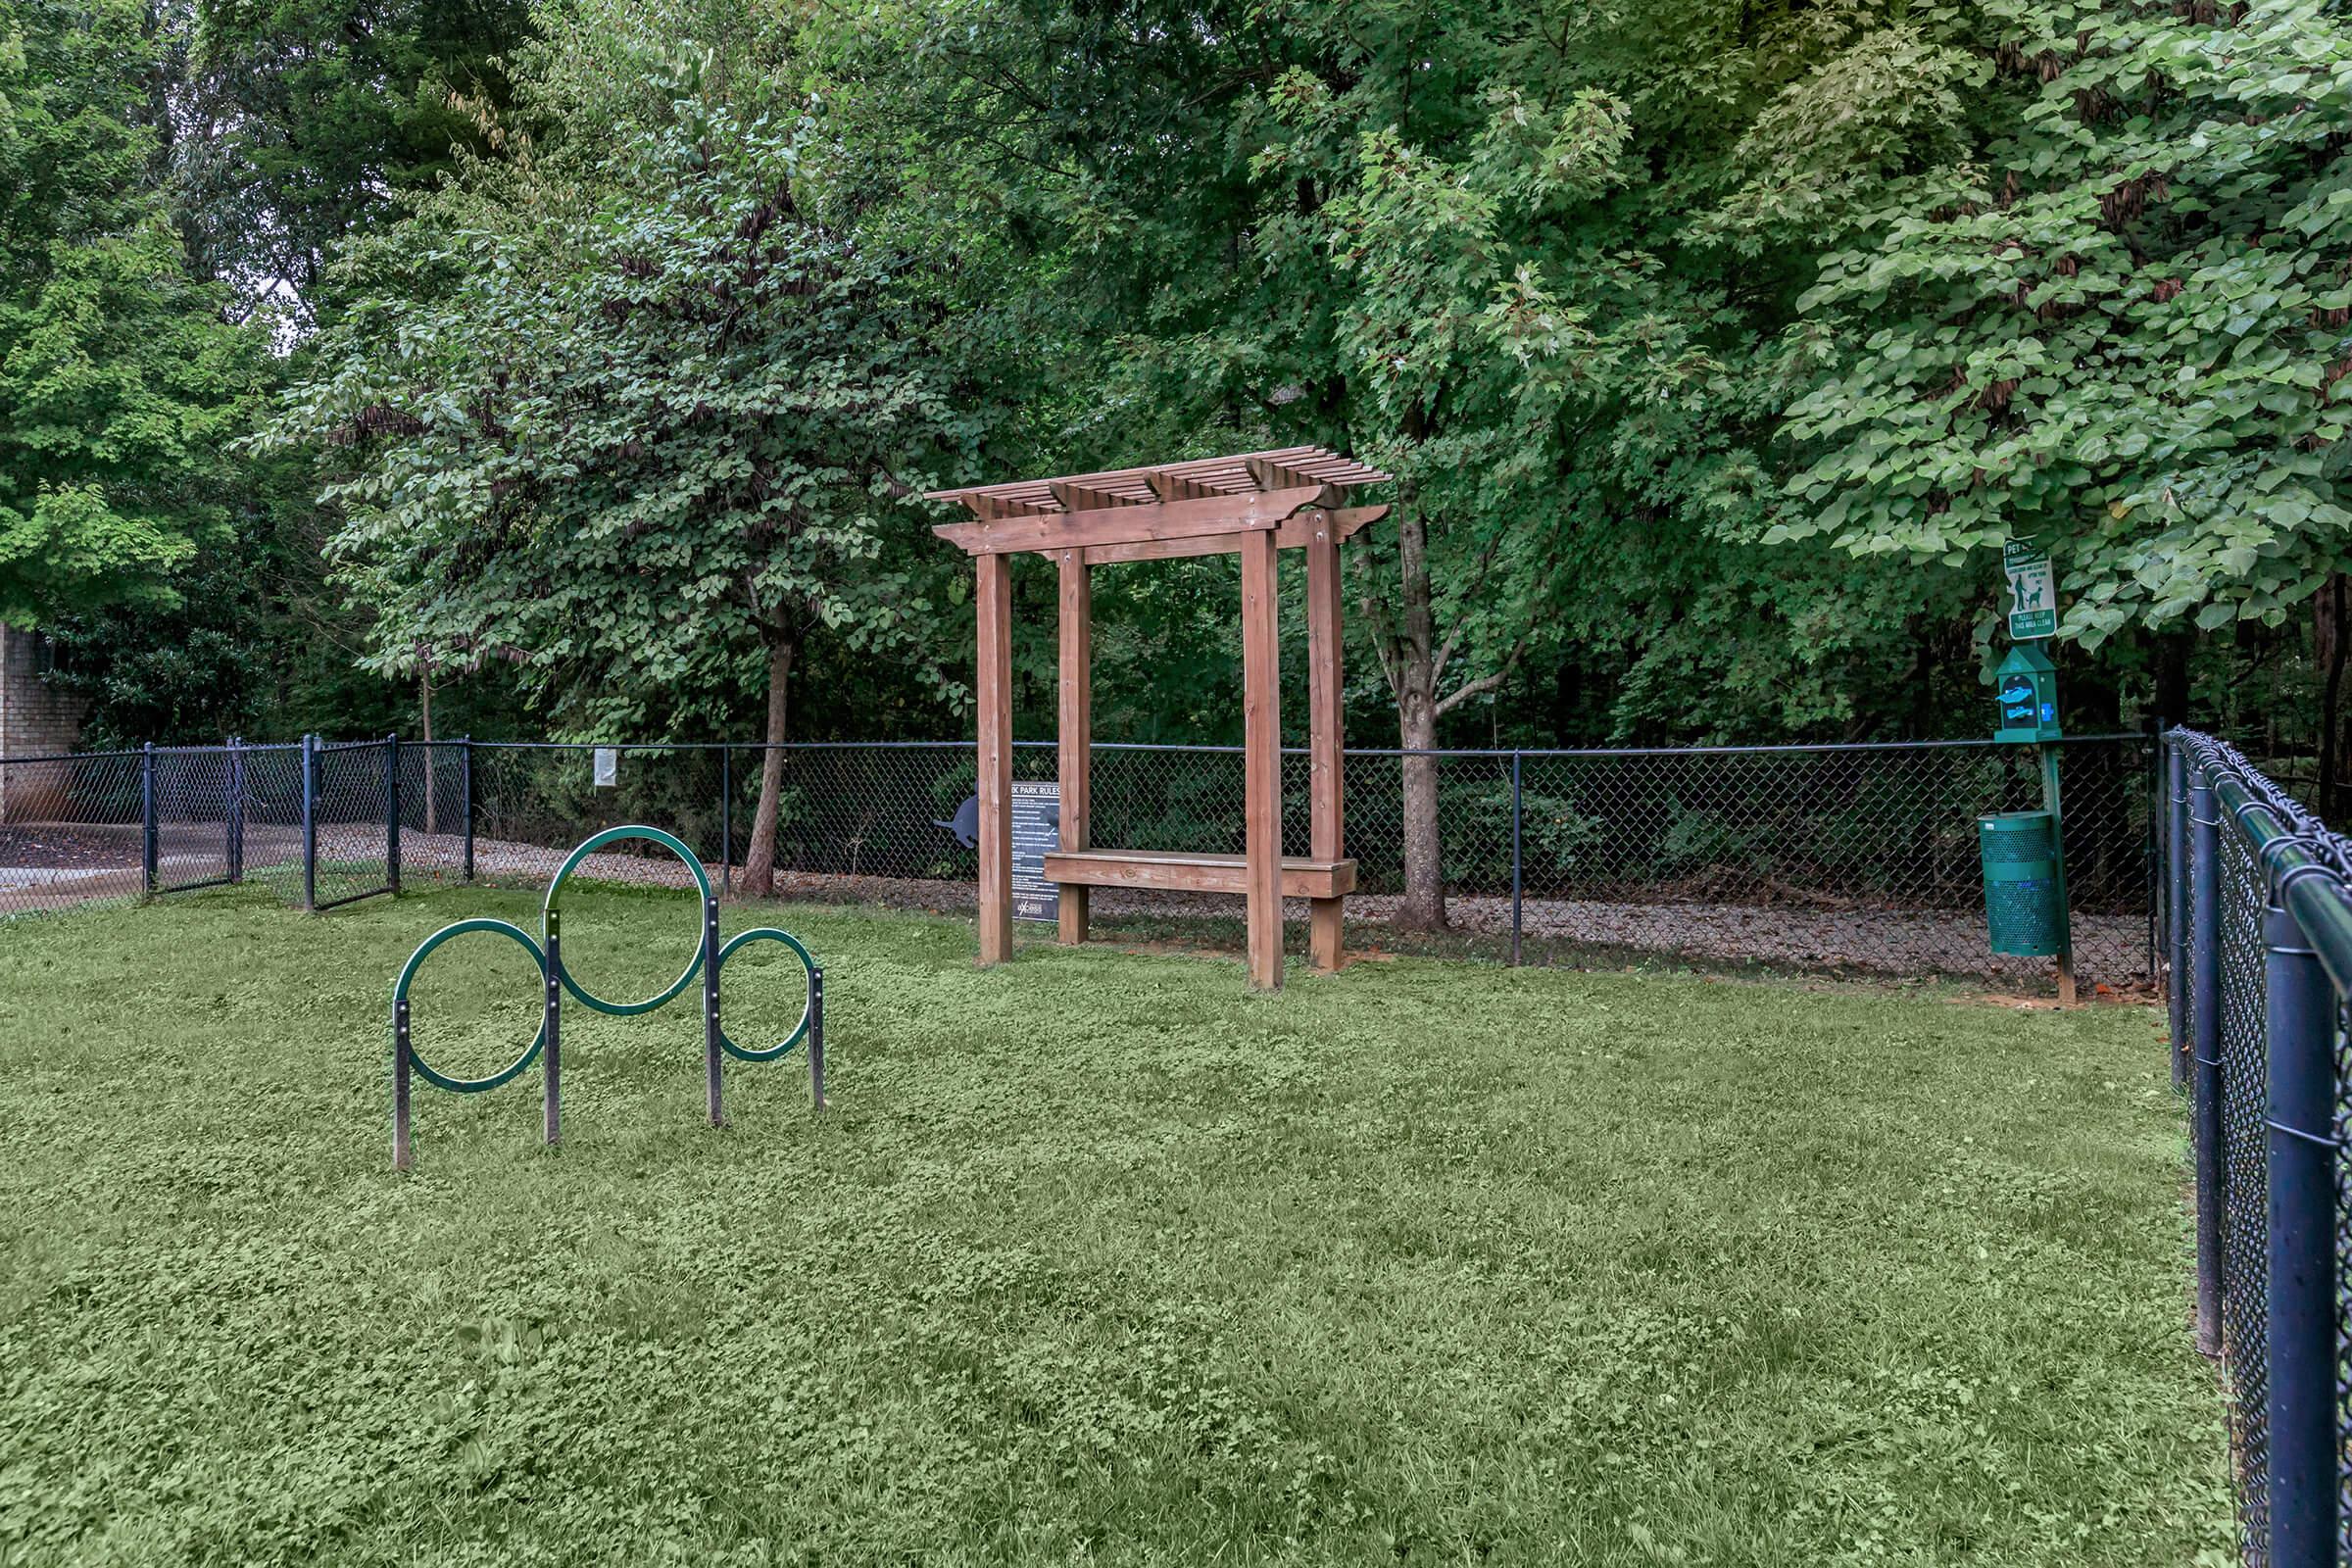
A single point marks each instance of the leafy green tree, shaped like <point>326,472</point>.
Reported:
<point>120,385</point>
<point>2120,328</point>
<point>302,123</point>
<point>629,409</point>
<point>1464,242</point>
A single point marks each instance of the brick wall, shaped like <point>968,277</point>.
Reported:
<point>37,719</point>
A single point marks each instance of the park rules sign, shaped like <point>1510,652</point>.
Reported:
<point>2032,591</point>
<point>1036,830</point>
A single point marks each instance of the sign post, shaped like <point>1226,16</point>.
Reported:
<point>1036,832</point>
<point>2027,688</point>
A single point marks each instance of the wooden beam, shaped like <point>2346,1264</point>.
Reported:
<point>1129,524</point>
<point>994,682</point>
<point>1261,756</point>
<point>992,506</point>
<point>1076,729</point>
<point>1294,533</point>
<point>1272,473</point>
<point>1076,497</point>
<point>1170,485</point>
<point>1326,737</point>
<point>1187,871</point>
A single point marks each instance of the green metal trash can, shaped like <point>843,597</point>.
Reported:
<point>2022,912</point>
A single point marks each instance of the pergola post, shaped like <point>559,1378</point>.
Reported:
<point>994,681</point>
<point>1262,758</point>
<point>1076,730</point>
<point>1326,735</point>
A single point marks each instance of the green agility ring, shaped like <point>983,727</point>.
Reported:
<point>800,1031</point>
<point>555,891</point>
<point>400,994</point>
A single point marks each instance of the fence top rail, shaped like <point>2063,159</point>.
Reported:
<point>69,756</point>
<point>1959,744</point>
<point>2305,866</point>
<point>1795,748</point>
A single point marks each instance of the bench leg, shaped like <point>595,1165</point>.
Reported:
<point>1325,933</point>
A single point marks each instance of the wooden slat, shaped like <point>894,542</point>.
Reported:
<point>1303,876</point>
<point>1326,736</point>
<point>994,506</point>
<point>1216,474</point>
<point>1294,533</point>
<point>992,680</point>
<point>1129,524</point>
<point>1076,729</point>
<point>1076,497</point>
<point>1261,756</point>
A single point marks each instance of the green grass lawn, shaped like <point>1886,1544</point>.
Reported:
<point>1097,1258</point>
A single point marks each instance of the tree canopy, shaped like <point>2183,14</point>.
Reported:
<point>1718,350</point>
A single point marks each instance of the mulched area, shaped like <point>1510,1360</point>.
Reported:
<point>1784,934</point>
<point>42,846</point>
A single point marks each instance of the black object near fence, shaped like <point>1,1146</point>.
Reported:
<point>1855,857</point>
<point>2258,920</point>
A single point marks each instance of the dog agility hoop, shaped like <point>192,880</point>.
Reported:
<point>547,956</point>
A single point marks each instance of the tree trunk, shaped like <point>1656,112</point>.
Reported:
<point>1416,686</point>
<point>2172,676</point>
<point>424,722</point>
<point>2328,645</point>
<point>760,858</point>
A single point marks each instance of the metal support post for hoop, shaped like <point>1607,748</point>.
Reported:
<point>147,846</point>
<point>551,1053</point>
<point>816,1039</point>
<point>2205,1051</point>
<point>400,1059</point>
<point>2300,1157</point>
<point>711,1047</point>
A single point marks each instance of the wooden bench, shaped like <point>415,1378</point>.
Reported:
<point>1181,870</point>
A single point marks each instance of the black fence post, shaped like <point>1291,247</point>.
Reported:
<point>147,834</point>
<point>466,797</point>
<point>237,809</point>
<point>392,812</point>
<point>2175,908</point>
<point>1517,903</point>
<point>2151,750</point>
<point>726,819</point>
<point>309,823</point>
<point>2300,1161</point>
<point>2205,1049</point>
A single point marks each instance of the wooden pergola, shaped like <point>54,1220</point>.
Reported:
<point>1255,505</point>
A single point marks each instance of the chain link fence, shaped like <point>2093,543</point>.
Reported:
<point>1821,857</point>
<point>2258,945</point>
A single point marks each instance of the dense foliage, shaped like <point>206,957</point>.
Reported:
<point>119,382</point>
<point>1717,349</point>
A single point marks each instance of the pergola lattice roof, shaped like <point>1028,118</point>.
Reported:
<point>1197,507</point>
